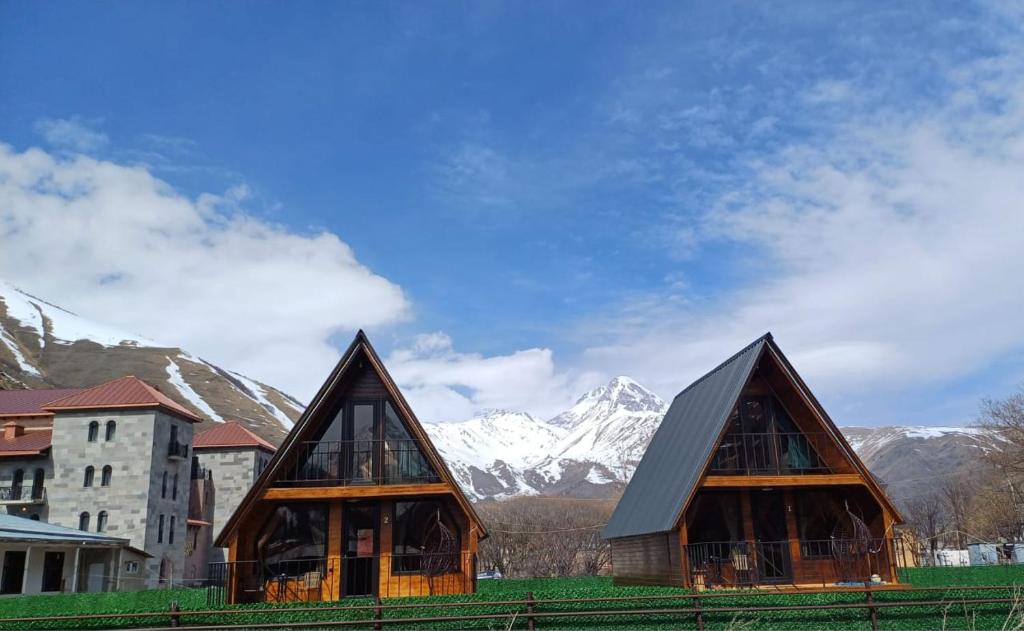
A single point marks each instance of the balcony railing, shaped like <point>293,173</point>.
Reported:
<point>22,495</point>
<point>351,462</point>
<point>825,562</point>
<point>768,454</point>
<point>332,578</point>
<point>177,450</point>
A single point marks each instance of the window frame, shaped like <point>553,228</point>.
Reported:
<point>83,521</point>
<point>89,477</point>
<point>94,431</point>
<point>446,516</point>
<point>110,431</point>
<point>101,521</point>
<point>106,475</point>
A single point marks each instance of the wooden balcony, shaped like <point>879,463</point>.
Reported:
<point>365,463</point>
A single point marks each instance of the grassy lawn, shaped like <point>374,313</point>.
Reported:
<point>981,617</point>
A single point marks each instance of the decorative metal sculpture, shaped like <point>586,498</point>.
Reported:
<point>853,548</point>
<point>440,551</point>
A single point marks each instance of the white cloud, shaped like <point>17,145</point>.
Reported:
<point>443,384</point>
<point>70,133</point>
<point>120,246</point>
<point>889,254</point>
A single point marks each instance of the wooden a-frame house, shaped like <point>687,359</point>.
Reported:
<point>356,502</point>
<point>748,482</point>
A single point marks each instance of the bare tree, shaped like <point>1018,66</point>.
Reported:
<point>958,493</point>
<point>926,516</point>
<point>545,536</point>
<point>1006,418</point>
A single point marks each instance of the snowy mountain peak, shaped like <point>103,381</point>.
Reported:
<point>621,393</point>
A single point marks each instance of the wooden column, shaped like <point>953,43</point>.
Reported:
<point>334,562</point>
<point>793,534</point>
<point>385,588</point>
<point>748,531</point>
<point>684,557</point>
<point>889,535</point>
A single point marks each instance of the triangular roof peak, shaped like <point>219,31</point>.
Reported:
<point>126,392</point>
<point>678,455</point>
<point>320,404</point>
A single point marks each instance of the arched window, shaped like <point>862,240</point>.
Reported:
<point>94,430</point>
<point>16,482</point>
<point>174,489</point>
<point>38,479</point>
<point>111,428</point>
<point>163,486</point>
<point>83,521</point>
<point>108,471</point>
<point>101,521</point>
<point>90,471</point>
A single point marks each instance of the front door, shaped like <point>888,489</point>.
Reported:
<point>53,571</point>
<point>768,509</point>
<point>13,572</point>
<point>360,547</point>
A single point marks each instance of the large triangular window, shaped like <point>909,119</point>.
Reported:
<point>762,439</point>
<point>365,442</point>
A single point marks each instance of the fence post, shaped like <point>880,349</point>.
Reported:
<point>697,612</point>
<point>378,614</point>
<point>872,610</point>
<point>530,624</point>
<point>175,616</point>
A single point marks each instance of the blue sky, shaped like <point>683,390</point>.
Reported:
<point>521,200</point>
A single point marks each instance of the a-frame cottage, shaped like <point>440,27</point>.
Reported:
<point>356,502</point>
<point>748,482</point>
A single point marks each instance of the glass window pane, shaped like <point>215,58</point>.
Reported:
<point>403,460</point>
<point>293,539</point>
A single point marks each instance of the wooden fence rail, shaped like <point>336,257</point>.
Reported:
<point>531,610</point>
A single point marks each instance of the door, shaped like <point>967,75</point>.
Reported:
<point>768,509</point>
<point>53,571</point>
<point>361,547</point>
<point>13,572</point>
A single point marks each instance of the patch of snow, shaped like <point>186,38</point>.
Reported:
<point>178,381</point>
<point>8,340</point>
<point>65,327</point>
<point>596,477</point>
<point>260,393</point>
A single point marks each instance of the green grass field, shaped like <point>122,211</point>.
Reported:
<point>981,617</point>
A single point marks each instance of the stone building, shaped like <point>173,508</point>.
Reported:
<point>226,461</point>
<point>113,459</point>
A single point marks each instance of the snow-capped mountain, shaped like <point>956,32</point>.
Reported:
<point>589,450</point>
<point>43,345</point>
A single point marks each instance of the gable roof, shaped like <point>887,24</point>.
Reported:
<point>126,392</point>
<point>675,457</point>
<point>31,402</point>
<point>230,434</point>
<point>31,443</point>
<point>679,452</point>
<point>360,344</point>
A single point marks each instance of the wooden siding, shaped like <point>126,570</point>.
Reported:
<point>762,481</point>
<point>648,560</point>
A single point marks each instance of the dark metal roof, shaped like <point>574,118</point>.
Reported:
<point>675,459</point>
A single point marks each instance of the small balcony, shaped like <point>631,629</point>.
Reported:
<point>355,462</point>
<point>176,450</point>
<point>20,496</point>
<point>770,453</point>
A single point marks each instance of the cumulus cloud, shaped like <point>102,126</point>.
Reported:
<point>72,134</point>
<point>444,384</point>
<point>120,246</point>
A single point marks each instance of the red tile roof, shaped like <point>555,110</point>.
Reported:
<point>126,392</point>
<point>28,444</point>
<point>230,434</point>
<point>31,402</point>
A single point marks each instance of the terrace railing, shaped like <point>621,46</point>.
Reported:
<point>825,562</point>
<point>348,462</point>
<point>769,453</point>
<point>12,495</point>
<point>177,450</point>
<point>333,578</point>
